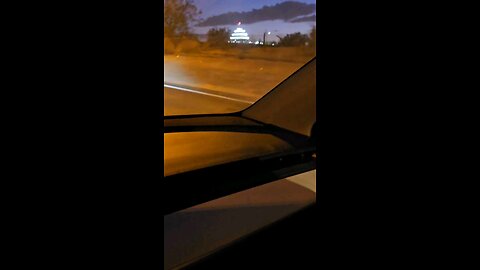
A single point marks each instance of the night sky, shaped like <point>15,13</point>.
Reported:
<point>255,30</point>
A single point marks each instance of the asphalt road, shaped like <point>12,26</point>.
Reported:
<point>188,101</point>
<point>250,78</point>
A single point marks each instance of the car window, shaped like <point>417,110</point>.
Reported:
<point>222,56</point>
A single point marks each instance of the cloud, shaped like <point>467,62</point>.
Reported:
<point>284,11</point>
<point>311,18</point>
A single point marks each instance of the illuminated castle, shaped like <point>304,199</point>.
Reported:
<point>239,35</point>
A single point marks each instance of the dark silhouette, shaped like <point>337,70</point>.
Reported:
<point>218,37</point>
<point>295,39</point>
<point>313,37</point>
<point>177,16</point>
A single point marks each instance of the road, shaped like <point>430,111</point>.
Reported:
<point>178,100</point>
<point>249,79</point>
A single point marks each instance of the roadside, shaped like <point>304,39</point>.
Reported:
<point>284,54</point>
<point>178,102</point>
<point>247,79</point>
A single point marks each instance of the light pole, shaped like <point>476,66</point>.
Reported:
<point>264,37</point>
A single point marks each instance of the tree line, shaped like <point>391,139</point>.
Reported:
<point>179,14</point>
<point>220,36</point>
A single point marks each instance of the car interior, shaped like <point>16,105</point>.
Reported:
<point>240,187</point>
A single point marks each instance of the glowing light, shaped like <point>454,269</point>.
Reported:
<point>239,34</point>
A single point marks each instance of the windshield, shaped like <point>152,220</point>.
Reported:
<point>222,56</point>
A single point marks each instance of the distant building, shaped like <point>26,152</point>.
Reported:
<point>240,35</point>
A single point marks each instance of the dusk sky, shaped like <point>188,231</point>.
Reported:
<point>215,7</point>
<point>276,27</point>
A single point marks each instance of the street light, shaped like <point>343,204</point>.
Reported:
<point>264,37</point>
